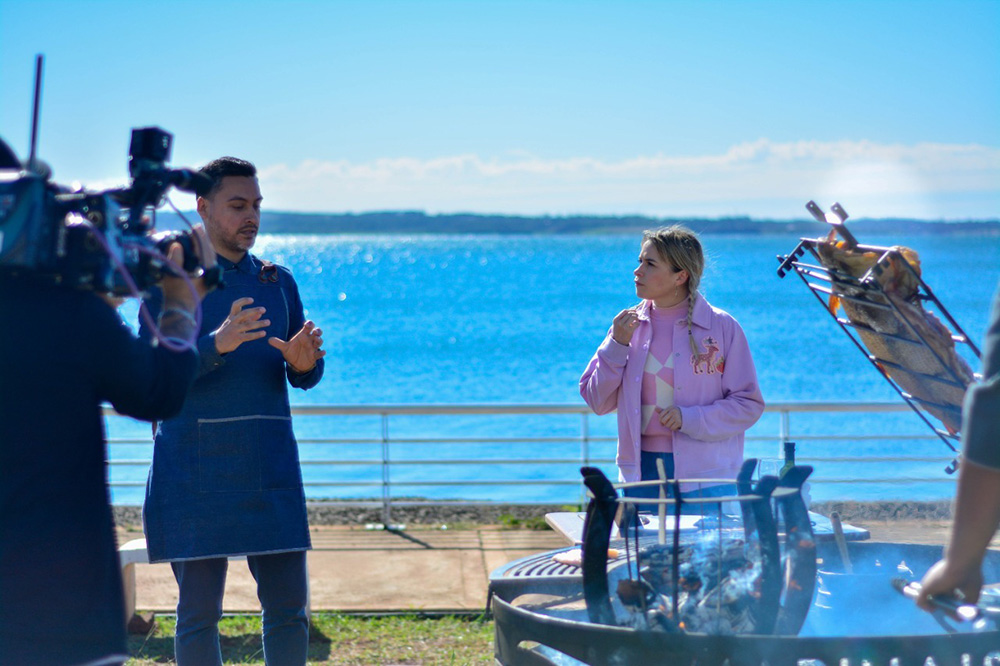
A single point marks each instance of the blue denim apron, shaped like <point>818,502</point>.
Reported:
<point>225,478</point>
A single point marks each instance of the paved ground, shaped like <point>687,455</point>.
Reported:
<point>422,568</point>
<point>354,569</point>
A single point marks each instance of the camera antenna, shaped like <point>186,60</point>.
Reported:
<point>32,155</point>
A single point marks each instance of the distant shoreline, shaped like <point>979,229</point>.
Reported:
<point>416,222</point>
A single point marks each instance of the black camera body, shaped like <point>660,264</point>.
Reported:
<point>86,239</point>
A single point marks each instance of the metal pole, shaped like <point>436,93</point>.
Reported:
<point>783,432</point>
<point>386,494</point>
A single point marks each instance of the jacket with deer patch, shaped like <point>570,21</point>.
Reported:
<point>716,391</point>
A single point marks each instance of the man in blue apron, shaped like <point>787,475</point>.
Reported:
<point>225,478</point>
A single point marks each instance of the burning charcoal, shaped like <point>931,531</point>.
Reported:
<point>660,556</point>
<point>743,622</point>
<point>659,619</point>
<point>718,587</point>
<point>636,595</point>
<point>733,615</point>
<point>687,609</point>
<point>707,621</point>
<point>722,595</point>
<point>691,584</point>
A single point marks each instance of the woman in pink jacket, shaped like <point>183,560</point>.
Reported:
<point>679,373</point>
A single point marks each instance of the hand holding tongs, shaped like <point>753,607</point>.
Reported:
<point>984,617</point>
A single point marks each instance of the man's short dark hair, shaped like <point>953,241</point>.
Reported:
<point>218,169</point>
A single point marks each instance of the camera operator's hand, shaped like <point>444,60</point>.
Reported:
<point>180,302</point>
<point>176,290</point>
<point>240,326</point>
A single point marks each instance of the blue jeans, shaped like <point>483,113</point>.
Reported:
<point>283,590</point>
<point>648,472</point>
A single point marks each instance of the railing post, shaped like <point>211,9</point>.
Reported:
<point>784,433</point>
<point>386,491</point>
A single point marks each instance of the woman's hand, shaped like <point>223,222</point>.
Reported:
<point>624,326</point>
<point>671,418</point>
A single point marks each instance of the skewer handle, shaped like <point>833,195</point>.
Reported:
<point>965,612</point>
<point>838,535</point>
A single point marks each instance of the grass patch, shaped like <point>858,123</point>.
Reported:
<point>341,639</point>
<point>509,522</point>
<point>535,522</point>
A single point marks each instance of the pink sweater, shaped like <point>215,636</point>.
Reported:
<point>717,393</point>
<point>658,378</point>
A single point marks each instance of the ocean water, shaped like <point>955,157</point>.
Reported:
<point>515,319</point>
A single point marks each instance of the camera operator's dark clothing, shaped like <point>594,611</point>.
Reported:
<point>63,353</point>
<point>981,414</point>
<point>225,478</point>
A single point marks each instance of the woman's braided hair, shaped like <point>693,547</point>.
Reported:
<point>680,246</point>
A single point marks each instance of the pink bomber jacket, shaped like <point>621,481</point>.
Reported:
<point>716,391</point>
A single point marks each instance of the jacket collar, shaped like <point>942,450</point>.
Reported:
<point>701,317</point>
<point>248,264</point>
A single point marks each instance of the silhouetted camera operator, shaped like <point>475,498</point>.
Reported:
<point>64,351</point>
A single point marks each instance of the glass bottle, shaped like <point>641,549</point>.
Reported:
<point>789,459</point>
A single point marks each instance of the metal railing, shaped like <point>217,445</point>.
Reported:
<point>588,449</point>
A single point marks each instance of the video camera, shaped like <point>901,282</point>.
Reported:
<point>99,241</point>
<point>77,238</point>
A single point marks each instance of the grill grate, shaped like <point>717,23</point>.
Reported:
<point>542,565</point>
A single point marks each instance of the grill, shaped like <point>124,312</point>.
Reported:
<point>549,614</point>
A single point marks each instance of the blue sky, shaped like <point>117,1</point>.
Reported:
<point>663,108</point>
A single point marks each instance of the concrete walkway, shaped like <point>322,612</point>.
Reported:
<point>421,568</point>
<point>356,569</point>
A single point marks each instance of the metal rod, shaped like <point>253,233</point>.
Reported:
<point>784,432</point>
<point>35,111</point>
<point>386,492</point>
<point>661,510</point>
<point>675,570</point>
<point>838,535</point>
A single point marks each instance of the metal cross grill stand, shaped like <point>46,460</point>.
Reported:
<point>737,580</point>
<point>876,296</point>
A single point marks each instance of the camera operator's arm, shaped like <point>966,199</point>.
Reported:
<point>177,318</point>
<point>170,313</point>
<point>141,380</point>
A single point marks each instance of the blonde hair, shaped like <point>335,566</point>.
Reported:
<point>680,246</point>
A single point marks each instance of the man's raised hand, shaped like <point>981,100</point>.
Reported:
<point>240,326</point>
<point>303,350</point>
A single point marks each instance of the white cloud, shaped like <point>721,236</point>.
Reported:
<point>759,178</point>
